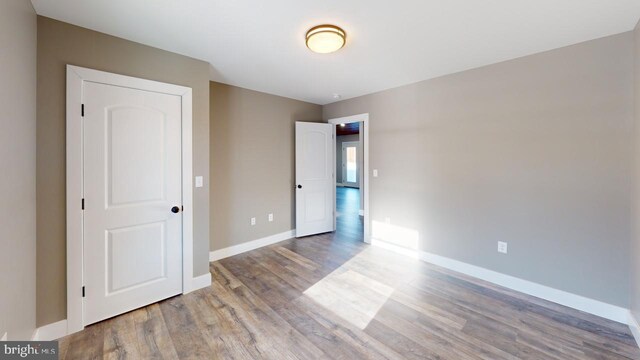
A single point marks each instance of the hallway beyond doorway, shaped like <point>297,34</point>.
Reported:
<point>348,220</point>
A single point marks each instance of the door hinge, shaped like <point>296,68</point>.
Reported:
<point>83,291</point>
<point>83,204</point>
<point>82,110</point>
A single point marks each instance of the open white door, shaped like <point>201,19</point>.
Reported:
<point>315,183</point>
<point>132,198</point>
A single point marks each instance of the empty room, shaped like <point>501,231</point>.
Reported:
<point>423,179</point>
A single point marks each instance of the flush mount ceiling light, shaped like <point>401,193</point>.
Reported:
<point>325,39</point>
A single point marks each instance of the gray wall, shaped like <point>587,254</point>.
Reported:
<point>17,183</point>
<point>635,249</point>
<point>252,162</point>
<point>60,44</point>
<point>535,151</point>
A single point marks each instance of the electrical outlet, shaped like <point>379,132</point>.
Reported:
<point>502,247</point>
<point>375,172</point>
<point>253,221</point>
<point>270,217</point>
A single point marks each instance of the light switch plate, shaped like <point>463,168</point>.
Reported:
<point>375,172</point>
<point>199,181</point>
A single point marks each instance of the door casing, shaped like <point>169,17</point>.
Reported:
<point>76,76</point>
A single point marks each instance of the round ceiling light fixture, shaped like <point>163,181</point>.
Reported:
<point>324,39</point>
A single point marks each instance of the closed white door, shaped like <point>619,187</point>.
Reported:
<point>315,183</point>
<point>132,199</point>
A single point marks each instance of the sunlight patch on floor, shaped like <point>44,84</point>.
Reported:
<point>357,290</point>
<point>350,295</point>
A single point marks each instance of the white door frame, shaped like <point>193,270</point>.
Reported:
<point>364,118</point>
<point>355,144</point>
<point>75,78</point>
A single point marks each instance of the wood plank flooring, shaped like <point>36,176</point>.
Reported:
<point>332,297</point>
<point>348,222</point>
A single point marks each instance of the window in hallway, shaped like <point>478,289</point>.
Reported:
<point>352,164</point>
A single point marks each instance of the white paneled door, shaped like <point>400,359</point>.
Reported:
<point>132,199</point>
<point>315,183</point>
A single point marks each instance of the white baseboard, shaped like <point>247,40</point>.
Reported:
<point>635,327</point>
<point>52,331</point>
<point>201,281</point>
<point>591,306</point>
<point>251,245</point>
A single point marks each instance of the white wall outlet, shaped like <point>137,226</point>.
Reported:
<point>253,221</point>
<point>270,217</point>
<point>375,172</point>
<point>502,247</point>
<point>199,181</point>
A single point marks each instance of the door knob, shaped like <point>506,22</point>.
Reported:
<point>175,209</point>
<point>299,186</point>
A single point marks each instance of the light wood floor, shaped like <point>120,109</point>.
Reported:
<point>332,297</point>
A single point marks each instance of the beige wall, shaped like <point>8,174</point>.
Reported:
<point>536,152</point>
<point>635,249</point>
<point>60,44</point>
<point>252,162</point>
<point>18,159</point>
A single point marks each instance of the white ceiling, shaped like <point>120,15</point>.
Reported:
<point>259,44</point>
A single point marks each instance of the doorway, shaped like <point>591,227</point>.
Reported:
<point>352,180</point>
<point>317,178</point>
